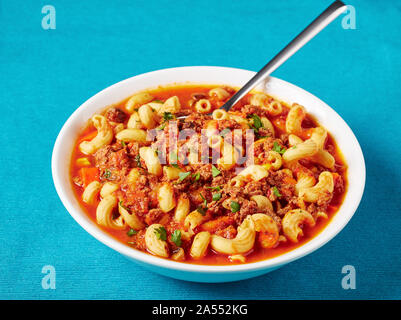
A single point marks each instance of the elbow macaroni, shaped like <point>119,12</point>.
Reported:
<point>155,245</point>
<point>104,135</point>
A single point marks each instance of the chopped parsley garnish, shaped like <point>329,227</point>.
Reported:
<point>224,132</point>
<point>235,206</point>
<point>138,161</point>
<point>122,206</point>
<point>175,165</point>
<point>216,196</point>
<point>131,232</point>
<point>204,200</point>
<point>176,237</point>
<point>196,176</point>
<point>257,123</point>
<point>218,188</point>
<point>276,192</point>
<point>168,116</point>
<point>278,148</point>
<point>158,101</point>
<point>107,174</point>
<point>202,209</point>
<point>183,175</point>
<point>215,171</point>
<point>123,144</point>
<point>161,233</point>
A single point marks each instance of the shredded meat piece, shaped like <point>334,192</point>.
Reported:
<point>195,121</point>
<point>229,232</point>
<point>247,208</point>
<point>153,216</point>
<point>253,188</point>
<point>250,109</point>
<point>284,183</point>
<point>204,170</point>
<point>228,124</point>
<point>116,115</point>
<point>138,240</point>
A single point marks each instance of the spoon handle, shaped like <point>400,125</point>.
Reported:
<point>327,16</point>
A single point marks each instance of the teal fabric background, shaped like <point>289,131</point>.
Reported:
<point>47,74</point>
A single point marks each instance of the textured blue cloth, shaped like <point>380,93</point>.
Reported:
<point>47,74</point>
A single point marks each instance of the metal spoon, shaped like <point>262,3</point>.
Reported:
<point>327,16</point>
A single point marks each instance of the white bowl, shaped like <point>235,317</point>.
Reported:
<point>285,91</point>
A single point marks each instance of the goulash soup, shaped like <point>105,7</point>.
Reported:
<point>169,173</point>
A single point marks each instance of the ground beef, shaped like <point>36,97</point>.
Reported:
<point>138,240</point>
<point>195,121</point>
<point>106,158</point>
<point>228,124</point>
<point>229,233</point>
<point>280,180</point>
<point>116,115</point>
<point>339,185</point>
<point>250,109</point>
<point>265,146</point>
<point>113,165</point>
<point>247,208</point>
<point>153,216</point>
<point>253,188</point>
<point>204,170</point>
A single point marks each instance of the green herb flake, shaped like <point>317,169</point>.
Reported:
<point>215,171</point>
<point>257,123</point>
<point>176,237</point>
<point>122,206</point>
<point>161,233</point>
<point>276,192</point>
<point>216,196</point>
<point>183,175</point>
<point>123,144</point>
<point>107,174</point>
<point>278,148</point>
<point>204,200</point>
<point>138,161</point>
<point>218,188</point>
<point>168,116</point>
<point>196,176</point>
<point>131,232</point>
<point>235,207</point>
<point>158,101</point>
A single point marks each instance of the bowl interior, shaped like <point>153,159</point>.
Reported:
<point>280,89</point>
